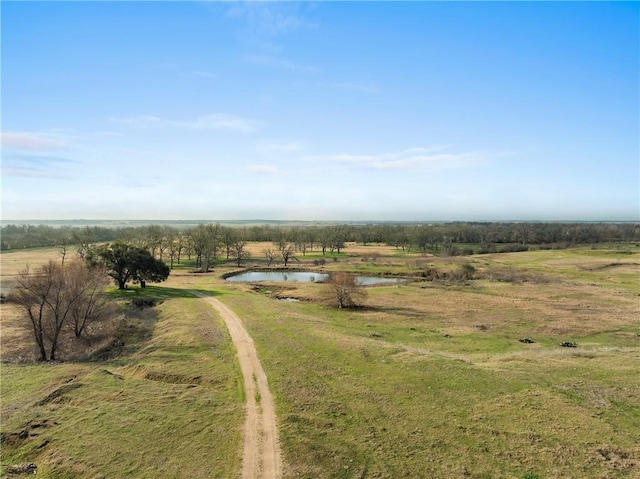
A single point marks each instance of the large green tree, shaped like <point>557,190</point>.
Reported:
<point>125,262</point>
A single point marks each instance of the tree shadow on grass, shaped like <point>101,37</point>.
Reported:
<point>141,316</point>
<point>159,293</point>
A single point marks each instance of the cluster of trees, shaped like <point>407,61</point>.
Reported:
<point>494,236</point>
<point>37,236</point>
<point>208,242</point>
<point>66,300</point>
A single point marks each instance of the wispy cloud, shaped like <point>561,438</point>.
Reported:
<point>277,62</point>
<point>217,121</point>
<point>27,155</point>
<point>262,23</point>
<point>37,166</point>
<point>269,19</point>
<point>420,157</point>
<point>263,169</point>
<point>29,141</point>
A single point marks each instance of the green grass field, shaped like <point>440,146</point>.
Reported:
<point>171,408</point>
<point>428,380</point>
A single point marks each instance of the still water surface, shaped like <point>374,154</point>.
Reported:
<point>303,277</point>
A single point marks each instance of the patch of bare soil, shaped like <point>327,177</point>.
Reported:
<point>261,456</point>
<point>625,461</point>
<point>30,429</point>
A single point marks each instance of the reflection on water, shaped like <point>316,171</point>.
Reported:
<point>293,276</point>
<point>303,277</point>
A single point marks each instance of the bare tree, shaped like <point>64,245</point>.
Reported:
<point>271,255</point>
<point>302,241</point>
<point>64,249</point>
<point>279,239</point>
<point>187,242</point>
<point>337,237</point>
<point>238,250</point>
<point>343,290</point>
<point>171,244</point>
<point>85,238</point>
<point>206,242</point>
<point>324,237</point>
<point>228,237</point>
<point>154,239</point>
<point>51,297</point>
<point>93,306</point>
<point>287,251</point>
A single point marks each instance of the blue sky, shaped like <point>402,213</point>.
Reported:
<point>321,111</point>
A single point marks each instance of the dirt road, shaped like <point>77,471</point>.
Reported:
<point>261,457</point>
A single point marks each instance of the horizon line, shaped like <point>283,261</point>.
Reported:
<point>264,220</point>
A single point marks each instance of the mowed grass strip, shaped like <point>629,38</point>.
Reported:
<point>173,409</point>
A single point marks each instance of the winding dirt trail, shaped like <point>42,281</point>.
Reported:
<point>261,457</point>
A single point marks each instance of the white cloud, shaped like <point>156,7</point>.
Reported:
<point>29,141</point>
<point>216,121</point>
<point>406,159</point>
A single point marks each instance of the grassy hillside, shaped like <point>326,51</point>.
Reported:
<point>173,408</point>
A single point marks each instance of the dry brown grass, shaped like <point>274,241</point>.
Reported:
<point>15,339</point>
<point>13,262</point>
<point>257,249</point>
<point>542,309</point>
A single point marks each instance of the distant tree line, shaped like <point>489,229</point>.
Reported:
<point>208,243</point>
<point>37,236</point>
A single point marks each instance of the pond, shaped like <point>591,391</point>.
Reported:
<point>304,277</point>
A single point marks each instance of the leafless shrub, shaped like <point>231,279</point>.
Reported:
<point>343,290</point>
<point>511,275</point>
<point>463,273</point>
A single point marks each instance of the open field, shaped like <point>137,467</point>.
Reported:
<point>427,380</point>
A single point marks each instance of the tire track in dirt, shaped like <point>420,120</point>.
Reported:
<point>261,457</point>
